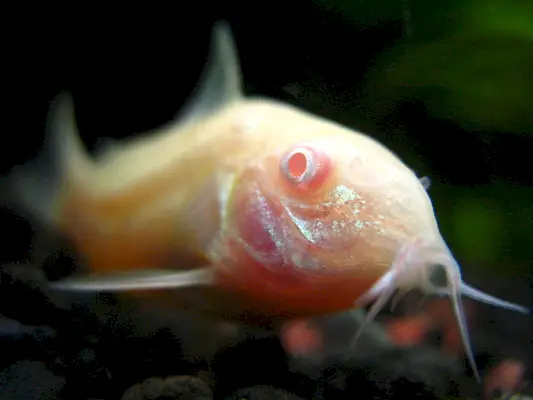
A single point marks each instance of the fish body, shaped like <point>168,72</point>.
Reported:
<point>207,197</point>
<point>260,211</point>
<point>208,190</point>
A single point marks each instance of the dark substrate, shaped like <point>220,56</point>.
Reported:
<point>52,349</point>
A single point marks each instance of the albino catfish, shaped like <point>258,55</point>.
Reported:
<point>261,211</point>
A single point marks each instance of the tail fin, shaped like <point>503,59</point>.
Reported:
<point>33,188</point>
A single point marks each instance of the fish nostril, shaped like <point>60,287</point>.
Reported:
<point>438,277</point>
<point>356,163</point>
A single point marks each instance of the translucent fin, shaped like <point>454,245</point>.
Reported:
<point>220,82</point>
<point>66,143</point>
<point>35,186</point>
<point>136,280</point>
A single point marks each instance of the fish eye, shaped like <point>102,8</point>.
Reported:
<point>305,167</point>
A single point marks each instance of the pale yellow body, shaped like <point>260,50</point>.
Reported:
<point>146,203</point>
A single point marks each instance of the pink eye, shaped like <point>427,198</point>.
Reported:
<point>305,167</point>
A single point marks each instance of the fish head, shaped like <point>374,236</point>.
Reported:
<point>333,208</point>
<point>329,205</point>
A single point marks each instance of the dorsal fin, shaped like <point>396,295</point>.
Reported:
<point>220,82</point>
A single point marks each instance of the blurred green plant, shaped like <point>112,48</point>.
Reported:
<point>491,226</point>
<point>477,225</point>
<point>482,82</point>
<point>363,12</point>
<point>466,60</point>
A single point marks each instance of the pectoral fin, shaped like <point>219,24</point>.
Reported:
<point>148,279</point>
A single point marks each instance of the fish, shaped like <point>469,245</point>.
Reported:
<point>242,207</point>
